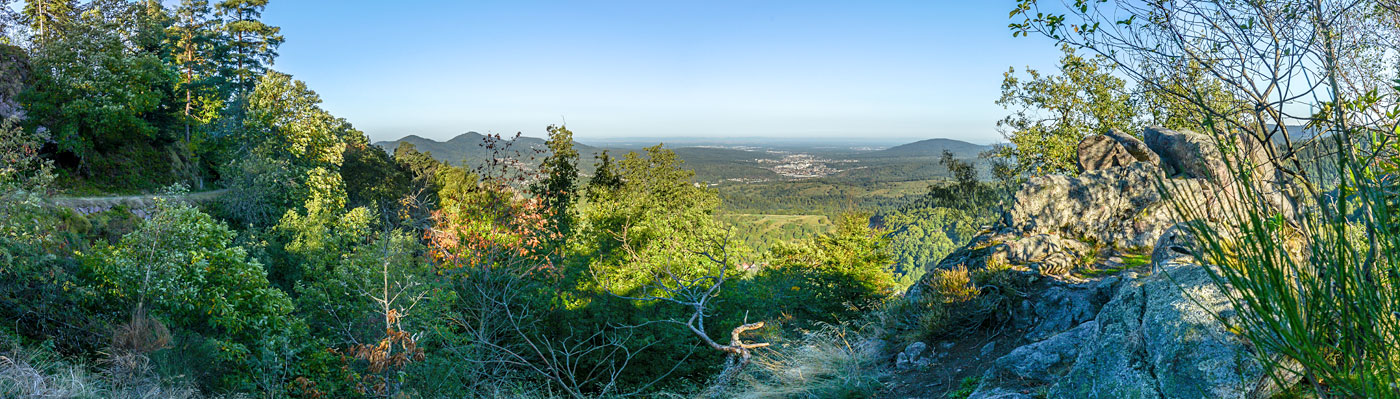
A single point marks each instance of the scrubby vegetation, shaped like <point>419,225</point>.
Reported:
<point>330,268</point>
<point>327,267</point>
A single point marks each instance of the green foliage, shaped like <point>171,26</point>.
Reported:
<point>183,267</point>
<point>373,179</point>
<point>957,301</point>
<point>194,39</point>
<point>832,277</point>
<point>763,232</point>
<point>1052,113</point>
<point>558,189</point>
<point>318,234</point>
<point>1318,289</point>
<point>965,388</point>
<point>251,44</point>
<point>286,141</point>
<point>927,229</point>
<point>102,98</point>
<point>657,218</point>
<point>48,17</point>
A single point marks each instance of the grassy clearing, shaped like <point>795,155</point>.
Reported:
<point>763,231</point>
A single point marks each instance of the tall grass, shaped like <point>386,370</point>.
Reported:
<point>831,362</point>
<point>1315,291</point>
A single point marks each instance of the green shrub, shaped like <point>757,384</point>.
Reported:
<point>1318,288</point>
<point>965,388</point>
<point>183,267</point>
<point>954,302</point>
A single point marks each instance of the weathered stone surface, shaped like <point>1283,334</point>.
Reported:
<point>1187,153</point>
<point>1063,307</point>
<point>1100,152</point>
<point>1159,338</point>
<point>1118,206</point>
<point>999,393</point>
<point>1037,247</point>
<point>913,357</point>
<point>1126,336</point>
<point>1037,364</point>
<point>1177,244</point>
<point>1137,148</point>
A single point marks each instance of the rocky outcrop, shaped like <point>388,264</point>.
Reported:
<point>1151,332</point>
<point>1113,149</point>
<point>1188,154</point>
<point>1118,206</point>
<point>1159,338</point>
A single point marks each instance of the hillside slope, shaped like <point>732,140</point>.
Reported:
<point>931,148</point>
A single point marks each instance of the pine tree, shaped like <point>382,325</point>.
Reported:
<point>560,170</point>
<point>251,44</point>
<point>194,38</point>
<point>605,178</point>
<point>46,17</point>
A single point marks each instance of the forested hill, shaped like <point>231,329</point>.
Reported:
<point>932,148</point>
<point>910,161</point>
<point>469,148</point>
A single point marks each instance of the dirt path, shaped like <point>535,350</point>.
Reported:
<point>86,205</point>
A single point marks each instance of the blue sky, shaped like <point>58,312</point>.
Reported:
<point>891,71</point>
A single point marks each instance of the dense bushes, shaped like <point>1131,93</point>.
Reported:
<point>332,269</point>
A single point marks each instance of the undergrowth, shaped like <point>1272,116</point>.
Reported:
<point>830,362</point>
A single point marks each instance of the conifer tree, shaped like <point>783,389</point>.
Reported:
<point>193,36</point>
<point>46,17</point>
<point>560,170</point>
<point>251,44</point>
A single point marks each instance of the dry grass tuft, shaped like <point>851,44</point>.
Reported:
<point>832,362</point>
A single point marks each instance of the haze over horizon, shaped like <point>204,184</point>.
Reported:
<point>886,72</point>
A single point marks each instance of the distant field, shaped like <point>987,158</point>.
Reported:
<point>762,231</point>
<point>828,196</point>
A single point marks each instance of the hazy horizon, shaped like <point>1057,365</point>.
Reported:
<point>901,71</point>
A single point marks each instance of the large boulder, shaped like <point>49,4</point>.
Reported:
<point>1112,149</point>
<point>1099,152</point>
<point>1117,206</point>
<point>1196,155</point>
<point>1160,338</point>
<point>1138,149</point>
<point>1187,153</point>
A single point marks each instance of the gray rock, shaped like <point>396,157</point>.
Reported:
<point>1135,147</point>
<point>1037,364</point>
<point>14,72</point>
<point>988,349</point>
<point>1159,338</point>
<point>915,350</point>
<point>1061,308</point>
<point>1100,152</point>
<point>999,393</point>
<point>1177,244</point>
<point>912,357</point>
<point>1121,207</point>
<point>1038,247</point>
<point>1187,153</point>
